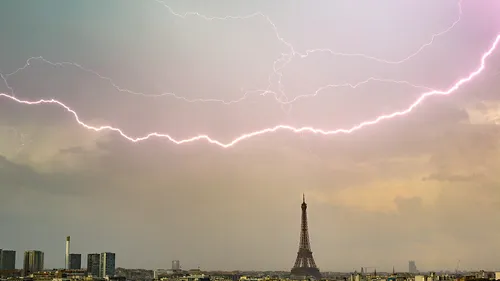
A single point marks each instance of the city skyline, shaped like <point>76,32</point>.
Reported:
<point>175,265</point>
<point>420,187</point>
<point>105,263</point>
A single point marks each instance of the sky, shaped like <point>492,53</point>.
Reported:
<point>417,187</point>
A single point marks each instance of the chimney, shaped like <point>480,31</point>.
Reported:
<point>67,252</point>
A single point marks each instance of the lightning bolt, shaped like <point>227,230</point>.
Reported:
<point>235,141</point>
<point>285,59</point>
<point>354,86</point>
<point>434,36</point>
<point>5,78</point>
<point>311,51</point>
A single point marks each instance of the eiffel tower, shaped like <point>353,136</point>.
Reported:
<point>304,264</point>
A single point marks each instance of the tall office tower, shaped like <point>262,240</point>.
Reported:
<point>93,262</point>
<point>107,264</point>
<point>7,260</point>
<point>75,261</point>
<point>176,265</point>
<point>67,253</point>
<point>304,263</point>
<point>33,262</point>
<point>412,267</point>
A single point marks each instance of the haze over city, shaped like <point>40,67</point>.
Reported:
<point>423,186</point>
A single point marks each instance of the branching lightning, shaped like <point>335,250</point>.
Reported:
<point>311,51</point>
<point>283,61</point>
<point>5,77</point>
<point>286,58</point>
<point>308,52</point>
<point>359,126</point>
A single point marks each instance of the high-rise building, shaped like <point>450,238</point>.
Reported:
<point>107,264</point>
<point>66,259</point>
<point>176,265</point>
<point>412,267</point>
<point>33,262</point>
<point>7,260</point>
<point>93,263</point>
<point>75,261</point>
<point>304,263</point>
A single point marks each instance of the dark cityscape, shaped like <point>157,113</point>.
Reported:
<point>103,267</point>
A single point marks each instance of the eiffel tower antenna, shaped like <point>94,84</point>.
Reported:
<point>304,264</point>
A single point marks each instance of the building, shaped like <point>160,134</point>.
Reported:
<point>200,277</point>
<point>420,278</point>
<point>176,265</point>
<point>412,267</point>
<point>75,261</point>
<point>159,273</point>
<point>33,262</point>
<point>93,263</point>
<point>497,275</point>
<point>7,260</point>
<point>74,274</point>
<point>14,274</point>
<point>107,264</point>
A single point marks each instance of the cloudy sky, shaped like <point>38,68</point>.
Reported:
<point>420,187</point>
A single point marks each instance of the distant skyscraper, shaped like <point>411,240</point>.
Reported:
<point>7,260</point>
<point>67,253</point>
<point>93,263</point>
<point>75,261</point>
<point>33,262</point>
<point>107,265</point>
<point>412,267</point>
<point>176,265</point>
